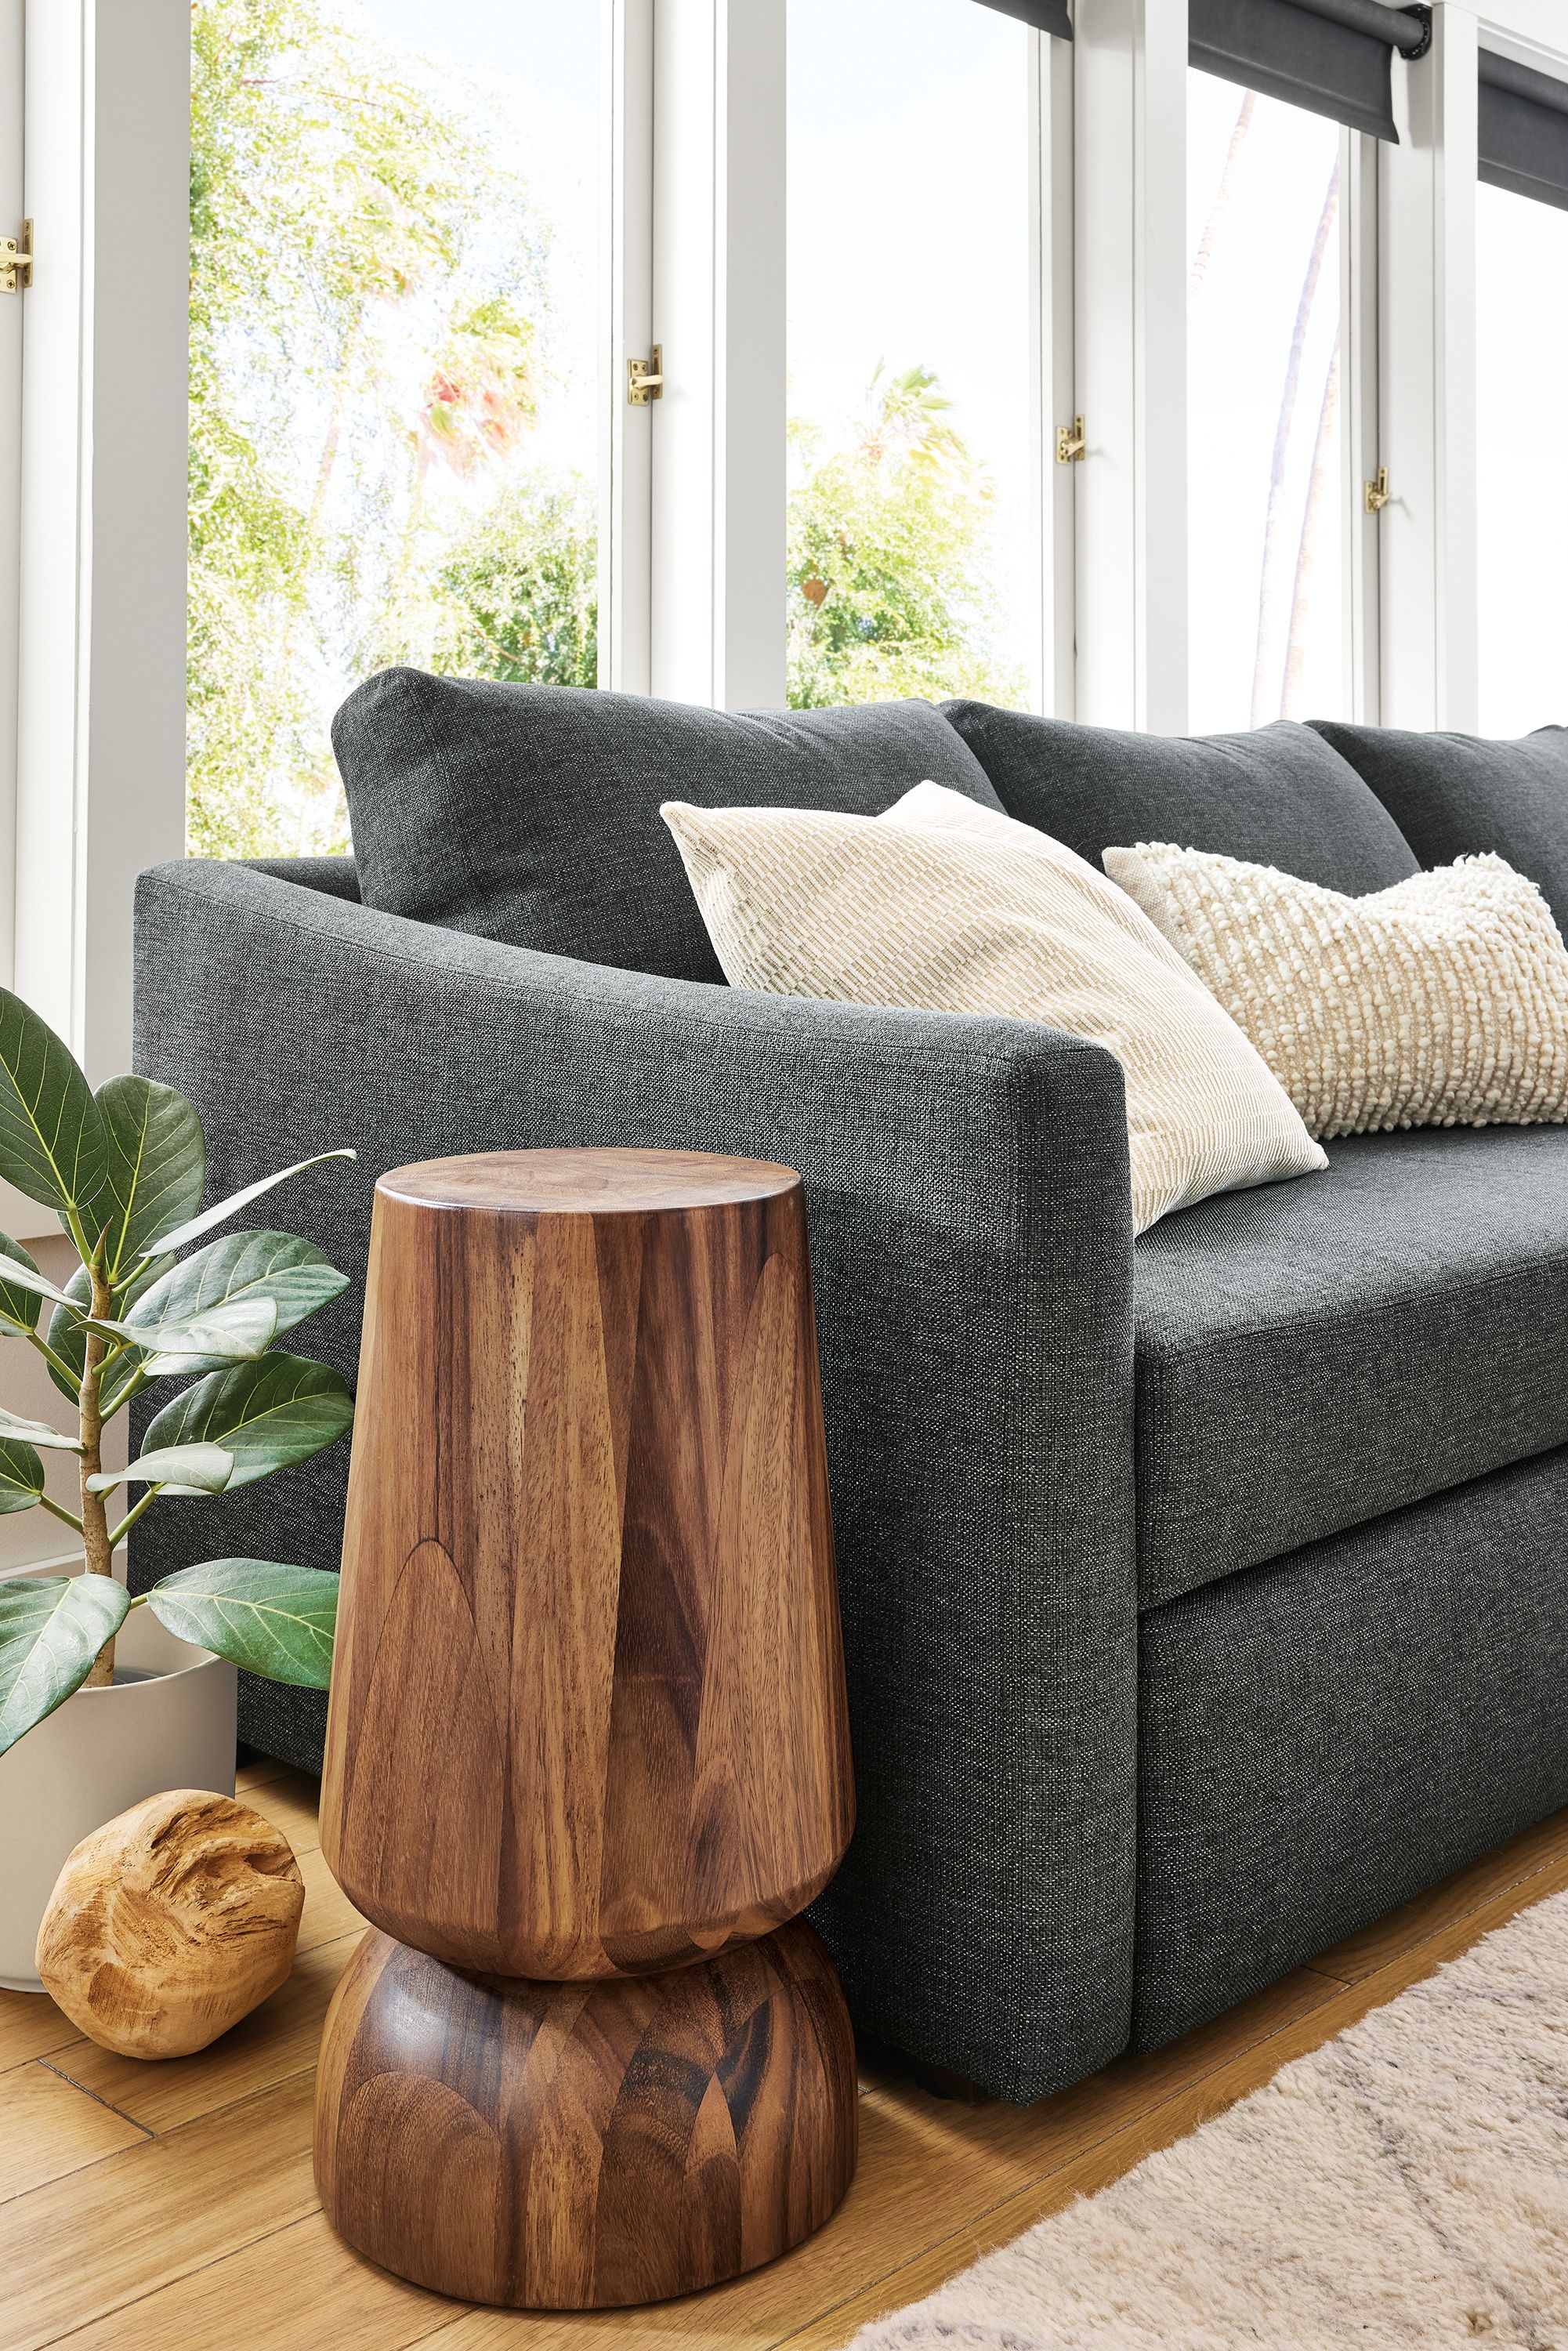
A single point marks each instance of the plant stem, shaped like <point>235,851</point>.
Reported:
<point>96,1542</point>
<point>129,1520</point>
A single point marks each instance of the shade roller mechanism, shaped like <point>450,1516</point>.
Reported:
<point>1045,15</point>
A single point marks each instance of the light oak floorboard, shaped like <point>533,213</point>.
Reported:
<point>299,2289</point>
<point>161,2245</point>
<point>49,2126</point>
<point>290,1803</point>
<point>82,2246</point>
<point>278,2040</point>
<point>30,2026</point>
<point>327,1914</point>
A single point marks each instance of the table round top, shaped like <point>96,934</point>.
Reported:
<point>586,1183</point>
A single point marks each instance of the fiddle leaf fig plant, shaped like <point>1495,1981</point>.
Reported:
<point>125,1169</point>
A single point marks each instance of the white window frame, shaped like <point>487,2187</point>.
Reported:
<point>692,581</point>
<point>99,577</point>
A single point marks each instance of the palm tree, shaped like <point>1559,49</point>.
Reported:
<point>1317,489</point>
<point>1205,253</point>
<point>1266,659</point>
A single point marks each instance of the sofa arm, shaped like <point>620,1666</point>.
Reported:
<point>966,1188</point>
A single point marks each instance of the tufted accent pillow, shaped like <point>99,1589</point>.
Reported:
<point>1440,1002</point>
<point>946,906</point>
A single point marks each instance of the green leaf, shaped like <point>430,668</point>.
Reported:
<point>17,1307</point>
<point>222,1209</point>
<point>271,1620</point>
<point>51,1629</point>
<point>293,1275</point>
<point>36,1431</point>
<point>268,1414</point>
<point>67,1337</point>
<point>52,1142</point>
<point>156,1167</point>
<point>21,1477</point>
<point>28,1278</point>
<point>224,1334</point>
<point>189,1468</point>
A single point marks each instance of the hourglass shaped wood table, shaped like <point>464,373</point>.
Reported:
<point>587,1748</point>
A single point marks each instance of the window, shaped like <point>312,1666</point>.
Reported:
<point>912,540</point>
<point>394,337</point>
<point>1266,489</point>
<point>1522,470</point>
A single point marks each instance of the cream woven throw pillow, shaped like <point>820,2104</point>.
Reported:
<point>1440,1002</point>
<point>949,908</point>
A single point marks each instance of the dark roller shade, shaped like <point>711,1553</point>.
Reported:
<point>1045,15</point>
<point>1329,56</point>
<point>1523,131</point>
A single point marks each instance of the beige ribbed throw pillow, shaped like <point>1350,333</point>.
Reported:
<point>1440,1002</point>
<point>950,907</point>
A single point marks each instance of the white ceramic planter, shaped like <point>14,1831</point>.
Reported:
<point>102,1750</point>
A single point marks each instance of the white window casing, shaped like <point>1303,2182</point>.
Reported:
<point>1427,533</point>
<point>1130,307</point>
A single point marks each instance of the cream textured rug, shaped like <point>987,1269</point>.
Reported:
<point>1406,2184</point>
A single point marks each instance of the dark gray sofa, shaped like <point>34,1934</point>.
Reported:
<point>1203,1599</point>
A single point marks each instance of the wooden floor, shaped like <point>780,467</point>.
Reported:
<point>170,2208</point>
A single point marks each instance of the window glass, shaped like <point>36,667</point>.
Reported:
<point>1522,470</point>
<point>1267,497</point>
<point>393,348</point>
<point>911,534</point>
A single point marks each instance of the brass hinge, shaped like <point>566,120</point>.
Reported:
<point>646,378</point>
<point>1377,492</point>
<point>1071,443</point>
<point>17,261</point>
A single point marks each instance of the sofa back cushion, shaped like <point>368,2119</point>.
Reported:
<point>530,814</point>
<point>1272,797</point>
<point>1456,795</point>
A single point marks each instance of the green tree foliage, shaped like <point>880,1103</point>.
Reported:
<point>366,310</point>
<point>520,590</point>
<point>370,337</point>
<point>888,534</point>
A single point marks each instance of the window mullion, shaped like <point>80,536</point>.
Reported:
<point>718,430</point>
<point>1130,297</point>
<point>1427,533</point>
<point>626,274</point>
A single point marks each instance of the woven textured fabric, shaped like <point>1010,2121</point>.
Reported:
<point>1279,794</point>
<point>966,1191</point>
<point>1441,1002</point>
<point>1315,1355</point>
<point>530,814</point>
<point>1321,1739</point>
<point>1455,795</point>
<point>954,908</point>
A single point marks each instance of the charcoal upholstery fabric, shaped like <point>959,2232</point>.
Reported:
<point>1451,795</point>
<point>1271,797</point>
<point>530,814</point>
<point>1323,1737</point>
<point>1313,1354</point>
<point>967,1193</point>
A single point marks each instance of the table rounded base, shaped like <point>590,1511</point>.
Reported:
<point>590,2145</point>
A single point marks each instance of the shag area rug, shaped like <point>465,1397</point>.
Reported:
<point>1406,2184</point>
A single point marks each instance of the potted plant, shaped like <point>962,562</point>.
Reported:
<point>116,1698</point>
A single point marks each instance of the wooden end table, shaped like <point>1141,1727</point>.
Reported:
<point>587,1750</point>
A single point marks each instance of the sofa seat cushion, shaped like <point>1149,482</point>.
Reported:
<point>530,814</point>
<point>1454,795</point>
<point>1310,1356</point>
<point>1280,796</point>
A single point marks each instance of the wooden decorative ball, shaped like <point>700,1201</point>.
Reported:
<point>170,1923</point>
